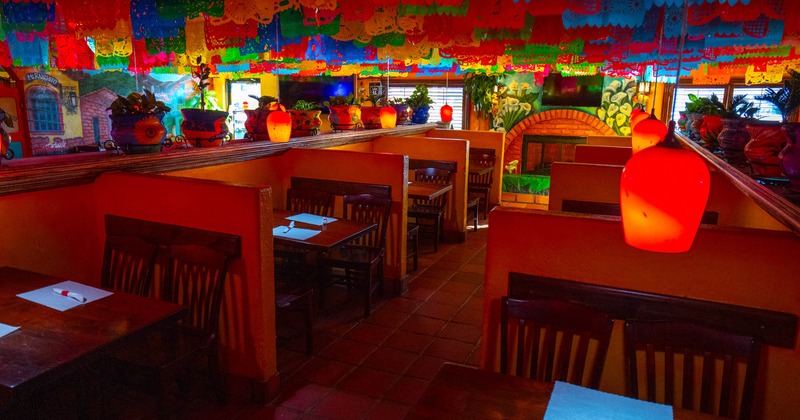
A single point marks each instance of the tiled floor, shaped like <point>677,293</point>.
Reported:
<point>373,368</point>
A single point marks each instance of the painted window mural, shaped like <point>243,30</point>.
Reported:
<point>45,110</point>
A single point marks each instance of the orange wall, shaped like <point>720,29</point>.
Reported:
<point>247,321</point>
<point>748,267</point>
<point>606,155</point>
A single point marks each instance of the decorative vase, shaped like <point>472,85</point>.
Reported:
<point>305,122</point>
<point>682,120</point>
<point>710,129</point>
<point>420,115</point>
<point>138,133</point>
<point>734,134</point>
<point>371,117</point>
<point>402,113</point>
<point>204,128</point>
<point>345,117</point>
<point>694,128</point>
<point>790,155</point>
<point>256,124</point>
<point>766,142</point>
<point>689,121</point>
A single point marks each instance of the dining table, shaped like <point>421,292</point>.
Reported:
<point>427,190</point>
<point>478,169</point>
<point>50,344</point>
<point>459,392</point>
<point>332,234</point>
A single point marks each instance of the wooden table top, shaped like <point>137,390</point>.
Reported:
<point>333,235</point>
<point>459,392</point>
<point>51,344</point>
<point>427,190</point>
<point>476,169</point>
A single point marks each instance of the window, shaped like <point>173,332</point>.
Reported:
<point>701,92</point>
<point>766,110</point>
<point>453,94</point>
<point>45,110</point>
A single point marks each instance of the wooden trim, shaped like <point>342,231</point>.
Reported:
<point>444,165</point>
<point>778,207</point>
<point>769,327</point>
<point>612,209</point>
<point>40,173</point>
<point>342,188</point>
<point>167,234</point>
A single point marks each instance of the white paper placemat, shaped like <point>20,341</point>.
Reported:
<point>570,402</point>
<point>311,219</point>
<point>6,329</point>
<point>47,297</point>
<point>294,233</point>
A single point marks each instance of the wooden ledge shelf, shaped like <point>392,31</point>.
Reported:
<point>40,173</point>
<point>778,207</point>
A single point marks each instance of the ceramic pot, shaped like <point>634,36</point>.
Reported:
<point>204,128</point>
<point>766,142</point>
<point>305,122</point>
<point>710,129</point>
<point>420,115</point>
<point>402,113</point>
<point>790,155</point>
<point>138,133</point>
<point>345,117</point>
<point>371,117</point>
<point>694,127</point>
<point>734,134</point>
<point>682,120</point>
<point>256,124</point>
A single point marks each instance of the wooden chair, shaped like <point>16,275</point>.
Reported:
<point>359,263</point>
<point>128,263</point>
<point>292,298</point>
<point>538,347</point>
<point>433,211</point>
<point>312,201</point>
<point>479,185</point>
<point>195,277</point>
<point>699,350</point>
<point>412,245</point>
<point>473,203</point>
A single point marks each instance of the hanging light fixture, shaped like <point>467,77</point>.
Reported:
<point>663,193</point>
<point>279,124</point>
<point>388,114</point>
<point>637,115</point>
<point>447,110</point>
<point>647,132</point>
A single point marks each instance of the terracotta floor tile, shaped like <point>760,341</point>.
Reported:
<point>419,293</point>
<point>462,332</point>
<point>369,333</point>
<point>390,360</point>
<point>348,351</point>
<point>300,396</point>
<point>458,287</point>
<point>474,278</point>
<point>402,304</point>
<point>323,371</point>
<point>289,361</point>
<point>269,412</point>
<point>386,317</point>
<point>447,265</point>
<point>408,341</point>
<point>469,316</point>
<point>475,265</point>
<point>438,273</point>
<point>423,325</point>
<point>475,302</point>
<point>449,298</point>
<point>369,382</point>
<point>437,310</point>
<point>474,359</point>
<point>427,282</point>
<point>343,405</point>
<point>450,350</point>
<point>406,390</point>
<point>459,255</point>
<point>387,410</point>
<point>425,367</point>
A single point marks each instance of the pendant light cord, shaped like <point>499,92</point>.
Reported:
<point>680,54</point>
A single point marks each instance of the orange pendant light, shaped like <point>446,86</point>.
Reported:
<point>663,193</point>
<point>447,113</point>
<point>388,117</point>
<point>637,115</point>
<point>647,133</point>
<point>279,125</point>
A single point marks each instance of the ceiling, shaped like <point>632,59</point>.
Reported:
<point>370,37</point>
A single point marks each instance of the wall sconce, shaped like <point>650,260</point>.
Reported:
<point>73,99</point>
<point>663,193</point>
<point>643,92</point>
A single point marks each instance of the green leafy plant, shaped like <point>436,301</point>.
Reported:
<point>264,101</point>
<point>739,108</point>
<point>787,98</point>
<point>375,100</point>
<point>479,88</point>
<point>700,105</point>
<point>202,73</point>
<point>341,100</point>
<point>419,97</point>
<point>137,103</point>
<point>302,105</point>
<point>397,101</point>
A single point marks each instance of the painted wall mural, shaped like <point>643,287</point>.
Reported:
<point>617,104</point>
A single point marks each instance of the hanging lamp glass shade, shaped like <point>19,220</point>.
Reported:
<point>447,113</point>
<point>647,133</point>
<point>279,126</point>
<point>637,116</point>
<point>663,193</point>
<point>388,117</point>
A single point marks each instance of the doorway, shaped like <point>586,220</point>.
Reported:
<point>241,98</point>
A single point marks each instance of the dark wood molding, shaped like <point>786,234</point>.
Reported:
<point>613,209</point>
<point>166,234</point>
<point>40,173</point>
<point>445,165</point>
<point>769,327</point>
<point>341,188</point>
<point>778,207</point>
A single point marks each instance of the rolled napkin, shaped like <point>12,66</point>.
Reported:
<point>77,296</point>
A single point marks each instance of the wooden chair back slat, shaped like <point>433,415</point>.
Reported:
<point>434,176</point>
<point>311,201</point>
<point>371,209</point>
<point>128,264</point>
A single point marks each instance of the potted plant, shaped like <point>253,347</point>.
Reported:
<point>137,122</point>
<point>204,127</point>
<point>695,111</point>
<point>787,100</point>
<point>256,123</point>
<point>305,118</point>
<point>420,104</point>
<point>371,111</point>
<point>479,88</point>
<point>734,118</point>
<point>399,105</point>
<point>345,112</point>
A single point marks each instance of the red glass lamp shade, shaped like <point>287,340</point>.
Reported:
<point>647,133</point>
<point>663,193</point>
<point>637,116</point>
<point>279,126</point>
<point>388,117</point>
<point>447,113</point>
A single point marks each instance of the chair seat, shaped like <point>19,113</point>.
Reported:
<point>425,210</point>
<point>350,256</point>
